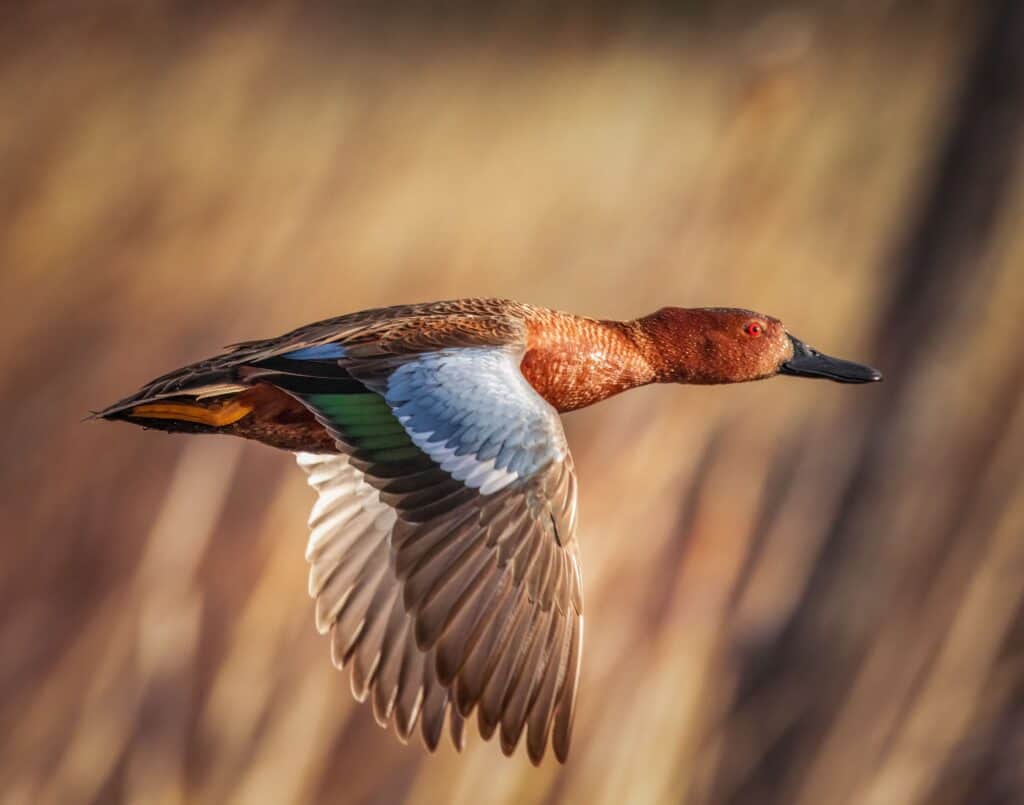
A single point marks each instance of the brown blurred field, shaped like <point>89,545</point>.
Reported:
<point>796,592</point>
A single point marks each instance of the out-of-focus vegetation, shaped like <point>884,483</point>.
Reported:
<point>797,592</point>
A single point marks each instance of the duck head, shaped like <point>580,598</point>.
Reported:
<point>730,345</point>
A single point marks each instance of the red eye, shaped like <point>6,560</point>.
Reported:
<point>754,329</point>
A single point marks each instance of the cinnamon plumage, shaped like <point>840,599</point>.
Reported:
<point>443,550</point>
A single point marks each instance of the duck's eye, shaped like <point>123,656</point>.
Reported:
<point>754,329</point>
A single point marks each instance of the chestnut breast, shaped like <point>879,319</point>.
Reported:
<point>573,362</point>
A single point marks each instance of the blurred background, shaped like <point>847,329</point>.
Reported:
<point>797,592</point>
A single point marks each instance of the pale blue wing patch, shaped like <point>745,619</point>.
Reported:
<point>321,352</point>
<point>472,411</point>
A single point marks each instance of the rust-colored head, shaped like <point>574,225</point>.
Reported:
<point>730,345</point>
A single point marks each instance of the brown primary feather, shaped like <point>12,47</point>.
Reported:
<point>518,697</point>
<point>565,713</point>
<point>359,601</point>
<point>485,645</point>
<point>367,658</point>
<point>448,569</point>
<point>475,633</point>
<point>551,684</point>
<point>510,648</point>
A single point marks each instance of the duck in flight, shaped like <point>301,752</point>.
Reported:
<point>443,554</point>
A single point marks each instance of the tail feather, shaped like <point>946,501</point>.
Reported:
<point>216,416</point>
<point>145,396</point>
<point>255,400</point>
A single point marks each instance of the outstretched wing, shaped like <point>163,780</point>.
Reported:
<point>446,534</point>
<point>358,600</point>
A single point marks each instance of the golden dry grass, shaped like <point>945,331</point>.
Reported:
<point>796,592</point>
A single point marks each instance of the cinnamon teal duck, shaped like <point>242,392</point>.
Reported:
<point>443,550</point>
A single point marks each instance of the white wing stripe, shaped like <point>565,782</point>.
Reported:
<point>469,469</point>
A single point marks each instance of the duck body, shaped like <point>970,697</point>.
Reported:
<point>443,551</point>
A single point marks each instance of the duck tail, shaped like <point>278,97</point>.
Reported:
<point>245,393</point>
<point>185,401</point>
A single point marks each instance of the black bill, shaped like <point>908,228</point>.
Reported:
<point>808,362</point>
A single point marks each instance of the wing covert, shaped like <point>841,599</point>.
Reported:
<point>481,553</point>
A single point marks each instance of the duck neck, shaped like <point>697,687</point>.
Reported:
<point>573,362</point>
